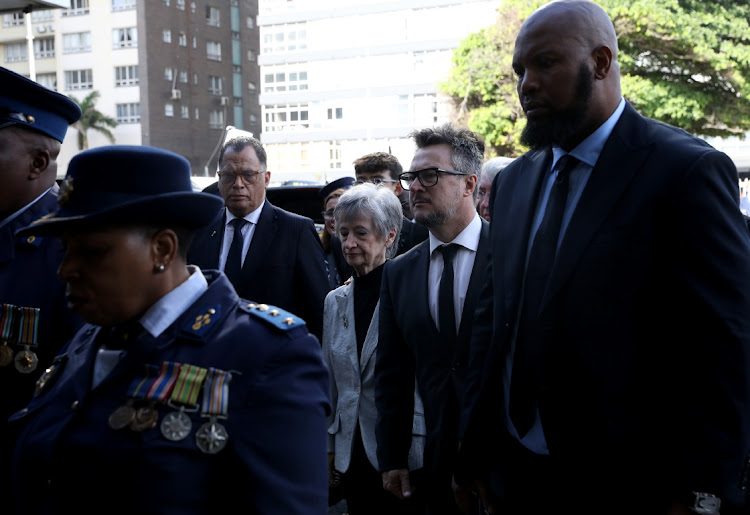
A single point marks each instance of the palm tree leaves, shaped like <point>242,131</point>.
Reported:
<point>92,119</point>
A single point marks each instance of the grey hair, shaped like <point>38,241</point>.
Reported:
<point>467,149</point>
<point>493,166</point>
<point>377,203</point>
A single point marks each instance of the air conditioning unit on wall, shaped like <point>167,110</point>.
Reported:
<point>225,101</point>
<point>176,94</point>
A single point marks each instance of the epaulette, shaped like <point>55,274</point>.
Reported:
<point>277,317</point>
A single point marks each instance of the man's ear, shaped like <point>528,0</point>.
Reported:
<point>602,57</point>
<point>40,162</point>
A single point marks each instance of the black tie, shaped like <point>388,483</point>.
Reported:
<point>529,339</point>
<point>234,258</point>
<point>446,309</point>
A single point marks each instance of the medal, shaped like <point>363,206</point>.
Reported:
<point>7,319</point>
<point>28,324</point>
<point>26,360</point>
<point>212,436</point>
<point>147,416</point>
<point>6,354</point>
<point>122,416</point>
<point>177,425</point>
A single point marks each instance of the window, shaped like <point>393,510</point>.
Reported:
<point>216,119</point>
<point>212,16</point>
<point>285,38</point>
<point>166,36</point>
<point>182,39</point>
<point>195,42</point>
<point>286,117</point>
<point>44,47</point>
<point>15,52</point>
<point>250,22</point>
<point>180,4</point>
<point>128,113</point>
<point>76,42</point>
<point>185,112</point>
<point>252,87</point>
<point>78,79</point>
<point>251,55</point>
<point>197,114</point>
<point>165,2</point>
<point>168,74</point>
<point>77,7</point>
<point>126,76</point>
<point>215,85</point>
<point>334,154</point>
<point>253,119</point>
<point>184,77</point>
<point>122,5</point>
<point>42,16</point>
<point>213,50</point>
<point>13,19</point>
<point>48,80</point>
<point>168,110</point>
<point>336,113</point>
<point>125,38</point>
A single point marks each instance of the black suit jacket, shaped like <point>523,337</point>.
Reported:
<point>645,371</point>
<point>284,266</point>
<point>408,346</point>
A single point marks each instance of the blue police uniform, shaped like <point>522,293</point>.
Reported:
<point>29,287</point>
<point>70,459</point>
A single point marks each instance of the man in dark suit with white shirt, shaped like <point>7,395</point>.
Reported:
<point>613,379</point>
<point>279,258</point>
<point>426,312</point>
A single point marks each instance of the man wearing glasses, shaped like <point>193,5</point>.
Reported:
<point>426,311</point>
<point>383,169</point>
<point>270,255</point>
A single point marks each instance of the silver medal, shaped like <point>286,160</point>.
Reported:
<point>176,426</point>
<point>211,437</point>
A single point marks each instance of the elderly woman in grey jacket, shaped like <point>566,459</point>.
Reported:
<point>368,223</point>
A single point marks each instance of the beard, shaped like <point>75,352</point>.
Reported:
<point>438,218</point>
<point>563,125</point>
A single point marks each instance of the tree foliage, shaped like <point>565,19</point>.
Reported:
<point>93,119</point>
<point>684,62</point>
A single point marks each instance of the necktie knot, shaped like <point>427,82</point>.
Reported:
<point>449,252</point>
<point>237,224</point>
<point>565,166</point>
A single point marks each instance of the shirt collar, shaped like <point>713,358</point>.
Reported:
<point>251,217</point>
<point>468,238</point>
<point>172,305</point>
<point>589,149</point>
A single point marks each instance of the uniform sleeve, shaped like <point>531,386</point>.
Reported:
<point>284,447</point>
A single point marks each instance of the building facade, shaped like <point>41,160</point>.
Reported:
<point>173,73</point>
<point>342,78</point>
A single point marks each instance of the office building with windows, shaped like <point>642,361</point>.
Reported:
<point>173,73</point>
<point>342,78</point>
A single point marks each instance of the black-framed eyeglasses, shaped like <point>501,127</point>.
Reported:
<point>428,177</point>
<point>328,215</point>
<point>377,181</point>
<point>228,178</point>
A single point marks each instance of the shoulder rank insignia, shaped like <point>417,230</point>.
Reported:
<point>202,322</point>
<point>283,320</point>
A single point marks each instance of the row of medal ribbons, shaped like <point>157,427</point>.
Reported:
<point>176,387</point>
<point>19,328</point>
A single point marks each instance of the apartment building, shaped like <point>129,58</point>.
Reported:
<point>173,73</point>
<point>342,78</point>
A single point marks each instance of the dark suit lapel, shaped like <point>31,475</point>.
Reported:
<point>418,272</point>
<point>521,194</point>
<point>264,234</point>
<point>206,251</point>
<point>609,179</point>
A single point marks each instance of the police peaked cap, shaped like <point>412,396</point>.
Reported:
<point>28,104</point>
<point>123,184</point>
<point>343,182</point>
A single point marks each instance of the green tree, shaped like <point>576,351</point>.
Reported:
<point>93,119</point>
<point>684,62</point>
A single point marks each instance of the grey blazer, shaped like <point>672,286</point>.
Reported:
<point>353,383</point>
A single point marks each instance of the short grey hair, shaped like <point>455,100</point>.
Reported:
<point>493,166</point>
<point>377,203</point>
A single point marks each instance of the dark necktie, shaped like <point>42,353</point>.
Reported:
<point>234,257</point>
<point>446,309</point>
<point>528,352</point>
